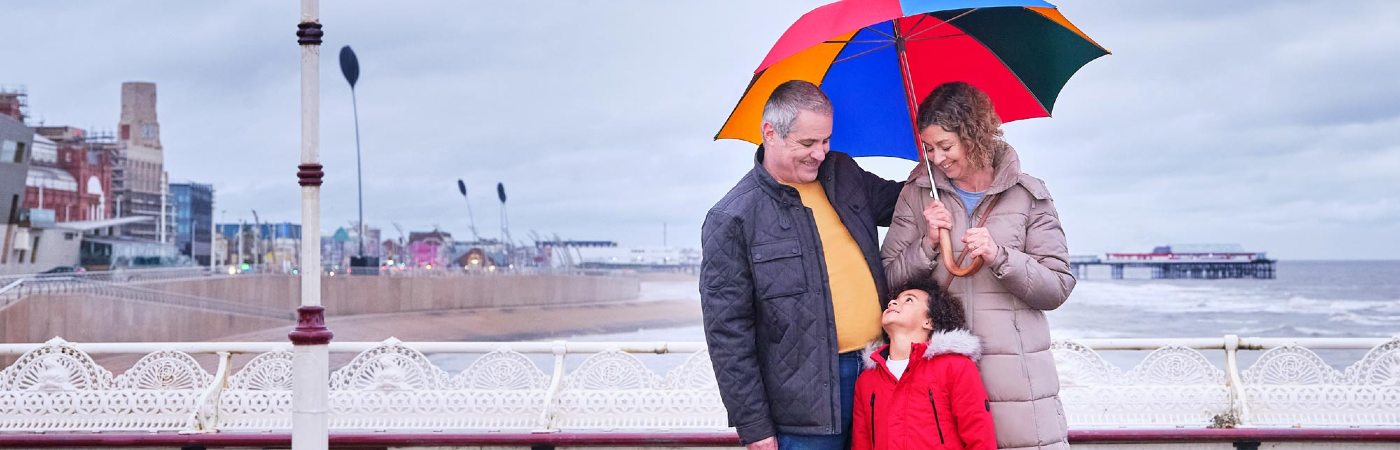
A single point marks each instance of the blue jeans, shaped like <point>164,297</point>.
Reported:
<point>848,364</point>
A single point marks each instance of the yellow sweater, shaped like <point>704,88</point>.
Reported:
<point>854,299</point>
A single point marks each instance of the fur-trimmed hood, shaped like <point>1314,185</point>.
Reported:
<point>959,341</point>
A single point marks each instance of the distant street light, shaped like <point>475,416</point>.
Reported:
<point>505,223</point>
<point>257,242</point>
<point>350,67</point>
<point>462,186</point>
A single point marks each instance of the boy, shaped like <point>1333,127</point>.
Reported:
<point>922,390</point>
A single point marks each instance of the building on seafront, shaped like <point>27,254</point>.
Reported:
<point>64,185</point>
<point>261,246</point>
<point>194,219</point>
<point>140,180</point>
<point>70,174</point>
<point>16,139</point>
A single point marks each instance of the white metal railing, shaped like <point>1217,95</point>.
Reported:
<point>120,275</point>
<point>20,288</point>
<point>527,386</point>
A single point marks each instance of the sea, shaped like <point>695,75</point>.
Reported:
<point>1327,299</point>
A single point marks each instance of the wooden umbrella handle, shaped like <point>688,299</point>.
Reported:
<point>945,246</point>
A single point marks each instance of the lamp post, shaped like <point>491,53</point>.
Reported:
<point>257,243</point>
<point>242,225</point>
<point>505,224</point>
<point>462,186</point>
<point>213,230</point>
<point>350,67</point>
<point>311,338</point>
<point>223,218</point>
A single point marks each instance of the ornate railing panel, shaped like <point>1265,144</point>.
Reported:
<point>59,387</point>
<point>393,386</point>
<point>259,397</point>
<point>1173,386</point>
<point>615,390</point>
<point>1293,386</point>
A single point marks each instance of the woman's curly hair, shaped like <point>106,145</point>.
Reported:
<point>966,111</point>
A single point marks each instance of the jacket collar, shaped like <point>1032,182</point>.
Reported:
<point>784,193</point>
<point>957,342</point>
<point>1006,171</point>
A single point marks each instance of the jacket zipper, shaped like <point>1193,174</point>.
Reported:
<point>1015,324</point>
<point>936,423</point>
<point>872,420</point>
<point>830,316</point>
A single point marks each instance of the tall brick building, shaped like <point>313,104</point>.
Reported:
<point>71,174</point>
<point>139,181</point>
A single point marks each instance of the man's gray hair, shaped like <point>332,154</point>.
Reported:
<point>789,99</point>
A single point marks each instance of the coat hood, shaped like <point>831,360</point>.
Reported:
<point>959,342</point>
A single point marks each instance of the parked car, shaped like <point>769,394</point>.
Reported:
<point>63,270</point>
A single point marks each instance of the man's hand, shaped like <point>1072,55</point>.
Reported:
<point>936,216</point>
<point>766,444</point>
<point>979,242</point>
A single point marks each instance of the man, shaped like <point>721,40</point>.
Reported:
<point>791,281</point>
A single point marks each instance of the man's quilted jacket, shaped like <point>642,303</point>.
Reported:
<point>763,290</point>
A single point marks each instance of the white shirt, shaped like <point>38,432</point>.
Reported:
<point>897,366</point>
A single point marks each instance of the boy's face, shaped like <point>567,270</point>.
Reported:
<point>907,311</point>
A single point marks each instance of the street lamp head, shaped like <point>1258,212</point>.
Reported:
<point>349,65</point>
<point>501,192</point>
<point>462,186</point>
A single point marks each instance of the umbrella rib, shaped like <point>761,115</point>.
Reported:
<point>945,22</point>
<point>856,42</point>
<point>857,55</point>
<point>881,32</point>
<point>921,20</point>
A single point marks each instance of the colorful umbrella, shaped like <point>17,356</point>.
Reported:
<point>876,59</point>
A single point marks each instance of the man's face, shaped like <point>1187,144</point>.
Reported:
<point>907,311</point>
<point>795,159</point>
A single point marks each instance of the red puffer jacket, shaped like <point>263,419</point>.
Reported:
<point>938,403</point>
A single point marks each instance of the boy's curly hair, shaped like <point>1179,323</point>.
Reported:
<point>945,310</point>
<point>966,111</point>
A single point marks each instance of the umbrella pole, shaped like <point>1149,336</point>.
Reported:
<point>932,190</point>
<point>913,108</point>
<point>945,240</point>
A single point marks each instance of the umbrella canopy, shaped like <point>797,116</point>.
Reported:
<point>876,59</point>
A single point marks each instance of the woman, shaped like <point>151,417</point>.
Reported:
<point>1007,218</point>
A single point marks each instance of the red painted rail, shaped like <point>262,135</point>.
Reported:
<point>648,439</point>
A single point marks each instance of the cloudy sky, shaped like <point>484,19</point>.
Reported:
<point>1275,125</point>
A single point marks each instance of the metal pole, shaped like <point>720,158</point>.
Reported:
<point>223,217</point>
<point>359,182</point>
<point>164,193</point>
<point>212,229</point>
<point>257,243</point>
<point>310,366</point>
<point>471,218</point>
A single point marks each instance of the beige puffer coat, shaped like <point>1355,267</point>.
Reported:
<point>1005,299</point>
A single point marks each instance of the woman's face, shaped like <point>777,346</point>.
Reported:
<point>946,151</point>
